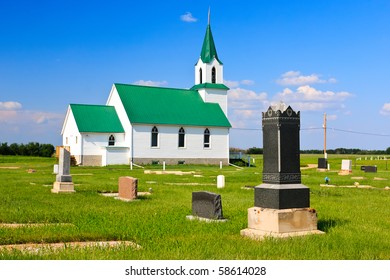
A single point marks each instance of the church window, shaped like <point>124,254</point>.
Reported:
<point>182,135</point>
<point>200,76</point>
<point>213,75</point>
<point>206,138</point>
<point>111,140</point>
<point>154,137</point>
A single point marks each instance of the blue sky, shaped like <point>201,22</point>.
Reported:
<point>319,56</point>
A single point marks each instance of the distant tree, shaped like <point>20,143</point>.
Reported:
<point>14,148</point>
<point>4,149</point>
<point>255,151</point>
<point>236,150</point>
<point>46,150</point>
<point>388,151</point>
<point>30,149</point>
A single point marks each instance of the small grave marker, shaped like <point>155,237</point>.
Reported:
<point>220,181</point>
<point>63,181</point>
<point>128,188</point>
<point>207,205</point>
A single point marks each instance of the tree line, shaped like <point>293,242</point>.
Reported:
<point>30,149</point>
<point>338,151</point>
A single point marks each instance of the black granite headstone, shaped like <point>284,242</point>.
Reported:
<point>370,168</point>
<point>207,205</point>
<point>281,153</point>
<point>322,163</point>
<point>281,188</point>
<point>282,196</point>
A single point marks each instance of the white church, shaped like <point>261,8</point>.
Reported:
<point>145,125</point>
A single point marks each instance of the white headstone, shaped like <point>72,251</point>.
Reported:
<point>346,164</point>
<point>55,169</point>
<point>220,181</point>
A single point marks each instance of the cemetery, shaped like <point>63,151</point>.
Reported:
<point>37,223</point>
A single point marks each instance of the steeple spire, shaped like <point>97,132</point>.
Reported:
<point>208,49</point>
<point>208,22</point>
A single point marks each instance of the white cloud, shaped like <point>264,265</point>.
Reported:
<point>14,117</point>
<point>6,116</point>
<point>151,83</point>
<point>308,93</point>
<point>188,17</point>
<point>10,105</point>
<point>234,84</point>
<point>294,78</point>
<point>231,84</point>
<point>385,109</point>
<point>307,98</point>
<point>243,98</point>
<point>245,107</point>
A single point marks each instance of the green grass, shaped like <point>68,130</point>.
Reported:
<point>356,221</point>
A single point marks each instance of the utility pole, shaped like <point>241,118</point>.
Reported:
<point>324,126</point>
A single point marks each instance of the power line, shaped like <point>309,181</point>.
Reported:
<point>358,132</point>
<point>243,128</point>
<point>318,128</point>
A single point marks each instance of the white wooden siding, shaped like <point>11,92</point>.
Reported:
<point>168,142</point>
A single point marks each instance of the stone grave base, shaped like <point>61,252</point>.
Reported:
<point>4,225</point>
<point>63,187</point>
<point>345,172</point>
<point>116,196</point>
<point>322,169</point>
<point>192,218</point>
<point>280,223</point>
<point>260,234</point>
<point>36,248</point>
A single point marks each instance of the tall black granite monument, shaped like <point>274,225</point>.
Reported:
<point>281,188</point>
<point>281,204</point>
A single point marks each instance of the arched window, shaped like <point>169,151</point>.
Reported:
<point>206,138</point>
<point>182,135</point>
<point>111,140</point>
<point>213,75</point>
<point>200,76</point>
<point>154,137</point>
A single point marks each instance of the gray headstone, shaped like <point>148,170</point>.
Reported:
<point>322,163</point>
<point>64,167</point>
<point>370,168</point>
<point>207,205</point>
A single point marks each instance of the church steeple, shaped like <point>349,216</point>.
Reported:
<point>209,73</point>
<point>209,68</point>
<point>208,49</point>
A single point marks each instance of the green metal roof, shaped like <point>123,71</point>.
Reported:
<point>208,49</point>
<point>209,85</point>
<point>156,105</point>
<point>96,118</point>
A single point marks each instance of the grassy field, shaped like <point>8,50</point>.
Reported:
<point>356,220</point>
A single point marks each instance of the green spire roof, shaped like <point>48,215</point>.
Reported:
<point>208,49</point>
